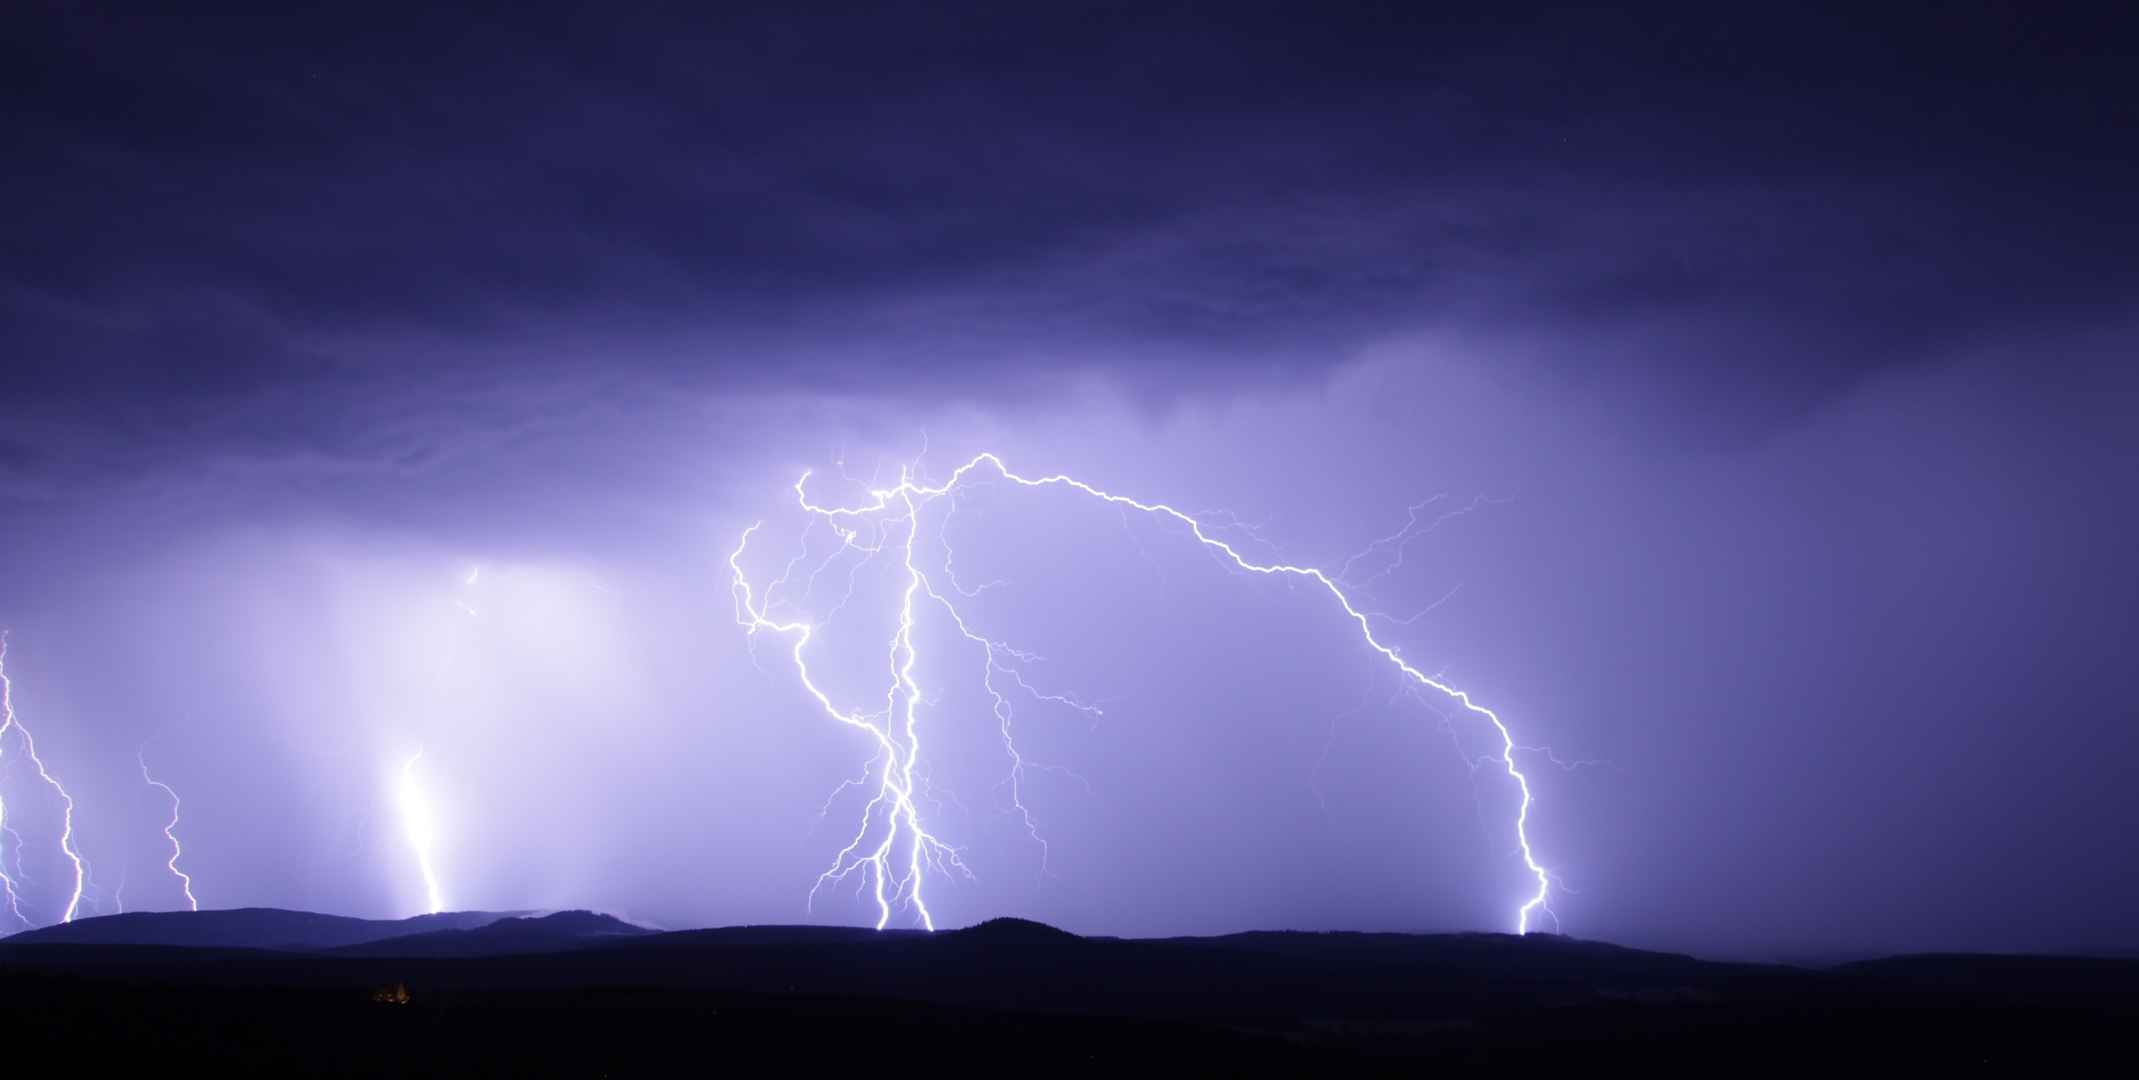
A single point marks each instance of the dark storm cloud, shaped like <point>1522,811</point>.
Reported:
<point>1721,215</point>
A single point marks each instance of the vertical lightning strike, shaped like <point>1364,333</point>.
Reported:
<point>7,881</point>
<point>170,833</point>
<point>903,502</point>
<point>893,803</point>
<point>8,722</point>
<point>417,822</point>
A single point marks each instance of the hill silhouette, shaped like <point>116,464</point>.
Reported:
<point>505,937</point>
<point>247,928</point>
<point>583,993</point>
<point>1008,931</point>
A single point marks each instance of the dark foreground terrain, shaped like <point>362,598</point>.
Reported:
<point>581,994</point>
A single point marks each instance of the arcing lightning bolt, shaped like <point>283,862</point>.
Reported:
<point>893,804</point>
<point>8,722</point>
<point>170,832</point>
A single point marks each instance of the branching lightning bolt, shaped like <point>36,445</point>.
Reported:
<point>1397,543</point>
<point>898,746</point>
<point>893,803</point>
<point>9,722</point>
<point>170,833</point>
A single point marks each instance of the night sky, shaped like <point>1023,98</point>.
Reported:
<point>370,383</point>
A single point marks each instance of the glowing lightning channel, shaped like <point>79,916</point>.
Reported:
<point>8,723</point>
<point>7,882</point>
<point>170,832</point>
<point>893,802</point>
<point>417,821</point>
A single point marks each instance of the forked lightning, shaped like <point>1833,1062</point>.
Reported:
<point>891,846</point>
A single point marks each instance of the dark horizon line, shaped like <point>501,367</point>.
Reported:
<point>1813,958</point>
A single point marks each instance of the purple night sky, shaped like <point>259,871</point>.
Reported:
<point>374,384</point>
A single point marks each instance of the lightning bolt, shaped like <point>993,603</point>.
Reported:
<point>892,811</point>
<point>9,722</point>
<point>7,881</point>
<point>170,833</point>
<point>896,752</point>
<point>1397,543</point>
<point>417,822</point>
